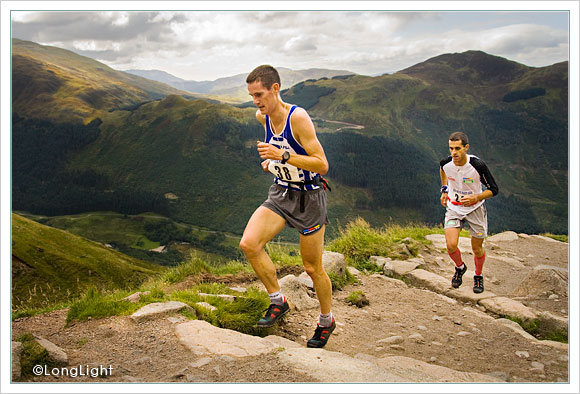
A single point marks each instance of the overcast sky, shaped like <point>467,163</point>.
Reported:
<point>206,45</point>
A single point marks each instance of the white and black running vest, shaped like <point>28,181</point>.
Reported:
<point>466,180</point>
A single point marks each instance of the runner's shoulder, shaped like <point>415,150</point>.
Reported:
<point>261,118</point>
<point>445,161</point>
<point>476,162</point>
<point>300,120</point>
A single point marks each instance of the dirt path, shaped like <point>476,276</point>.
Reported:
<point>432,328</point>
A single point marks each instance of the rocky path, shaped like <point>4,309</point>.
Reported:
<point>413,330</point>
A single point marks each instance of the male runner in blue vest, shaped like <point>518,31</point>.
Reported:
<point>291,151</point>
<point>462,177</point>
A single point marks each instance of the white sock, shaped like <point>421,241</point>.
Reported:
<point>277,298</point>
<point>325,320</point>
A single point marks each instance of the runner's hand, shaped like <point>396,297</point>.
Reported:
<point>469,200</point>
<point>265,164</point>
<point>444,199</point>
<point>269,151</point>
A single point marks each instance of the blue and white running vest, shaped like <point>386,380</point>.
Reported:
<point>286,141</point>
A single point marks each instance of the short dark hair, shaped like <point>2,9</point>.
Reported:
<point>266,74</point>
<point>459,136</point>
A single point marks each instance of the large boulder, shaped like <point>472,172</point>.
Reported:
<point>543,280</point>
<point>506,236</point>
<point>439,242</point>
<point>334,263</point>
<point>429,280</point>
<point>504,306</point>
<point>297,293</point>
<point>203,339</point>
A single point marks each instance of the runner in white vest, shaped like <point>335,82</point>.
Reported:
<point>462,178</point>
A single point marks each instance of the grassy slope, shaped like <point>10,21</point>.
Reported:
<point>51,265</point>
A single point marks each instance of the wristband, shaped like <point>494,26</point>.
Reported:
<point>444,189</point>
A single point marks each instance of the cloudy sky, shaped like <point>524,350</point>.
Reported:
<point>206,45</point>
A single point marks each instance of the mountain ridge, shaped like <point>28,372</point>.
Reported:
<point>136,155</point>
<point>82,89</point>
<point>235,86</point>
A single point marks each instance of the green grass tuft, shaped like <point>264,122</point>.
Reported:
<point>358,242</point>
<point>340,281</point>
<point>358,298</point>
<point>557,237</point>
<point>194,266</point>
<point>96,305</point>
<point>32,354</point>
<point>532,327</point>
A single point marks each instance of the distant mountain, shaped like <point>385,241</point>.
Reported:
<point>53,83</point>
<point>383,136</point>
<point>234,87</point>
<point>515,116</point>
<point>51,265</point>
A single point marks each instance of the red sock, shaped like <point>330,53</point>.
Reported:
<point>456,257</point>
<point>479,263</point>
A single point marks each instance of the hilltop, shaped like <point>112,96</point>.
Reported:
<point>58,85</point>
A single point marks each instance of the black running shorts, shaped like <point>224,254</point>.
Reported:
<point>286,203</point>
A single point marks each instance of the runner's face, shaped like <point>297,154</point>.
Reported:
<point>458,152</point>
<point>264,99</point>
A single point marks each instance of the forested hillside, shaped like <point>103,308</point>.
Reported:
<point>515,116</point>
<point>195,161</point>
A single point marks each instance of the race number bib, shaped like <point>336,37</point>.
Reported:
<point>455,198</point>
<point>284,172</point>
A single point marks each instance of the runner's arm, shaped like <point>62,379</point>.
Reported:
<point>304,132</point>
<point>262,119</point>
<point>486,179</point>
<point>443,176</point>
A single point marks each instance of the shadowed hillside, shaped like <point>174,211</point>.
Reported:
<point>51,265</point>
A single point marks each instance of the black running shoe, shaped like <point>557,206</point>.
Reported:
<point>478,284</point>
<point>321,335</point>
<point>457,277</point>
<point>274,313</point>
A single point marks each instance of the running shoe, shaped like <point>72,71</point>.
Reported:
<point>478,284</point>
<point>274,313</point>
<point>457,277</point>
<point>321,335</point>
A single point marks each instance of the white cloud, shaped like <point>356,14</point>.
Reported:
<point>212,44</point>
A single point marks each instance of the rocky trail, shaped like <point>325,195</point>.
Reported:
<point>415,328</point>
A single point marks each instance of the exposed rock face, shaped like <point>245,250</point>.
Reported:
<point>56,355</point>
<point>158,309</point>
<point>16,353</point>
<point>204,339</point>
<point>297,293</point>
<point>507,307</point>
<point>544,280</point>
